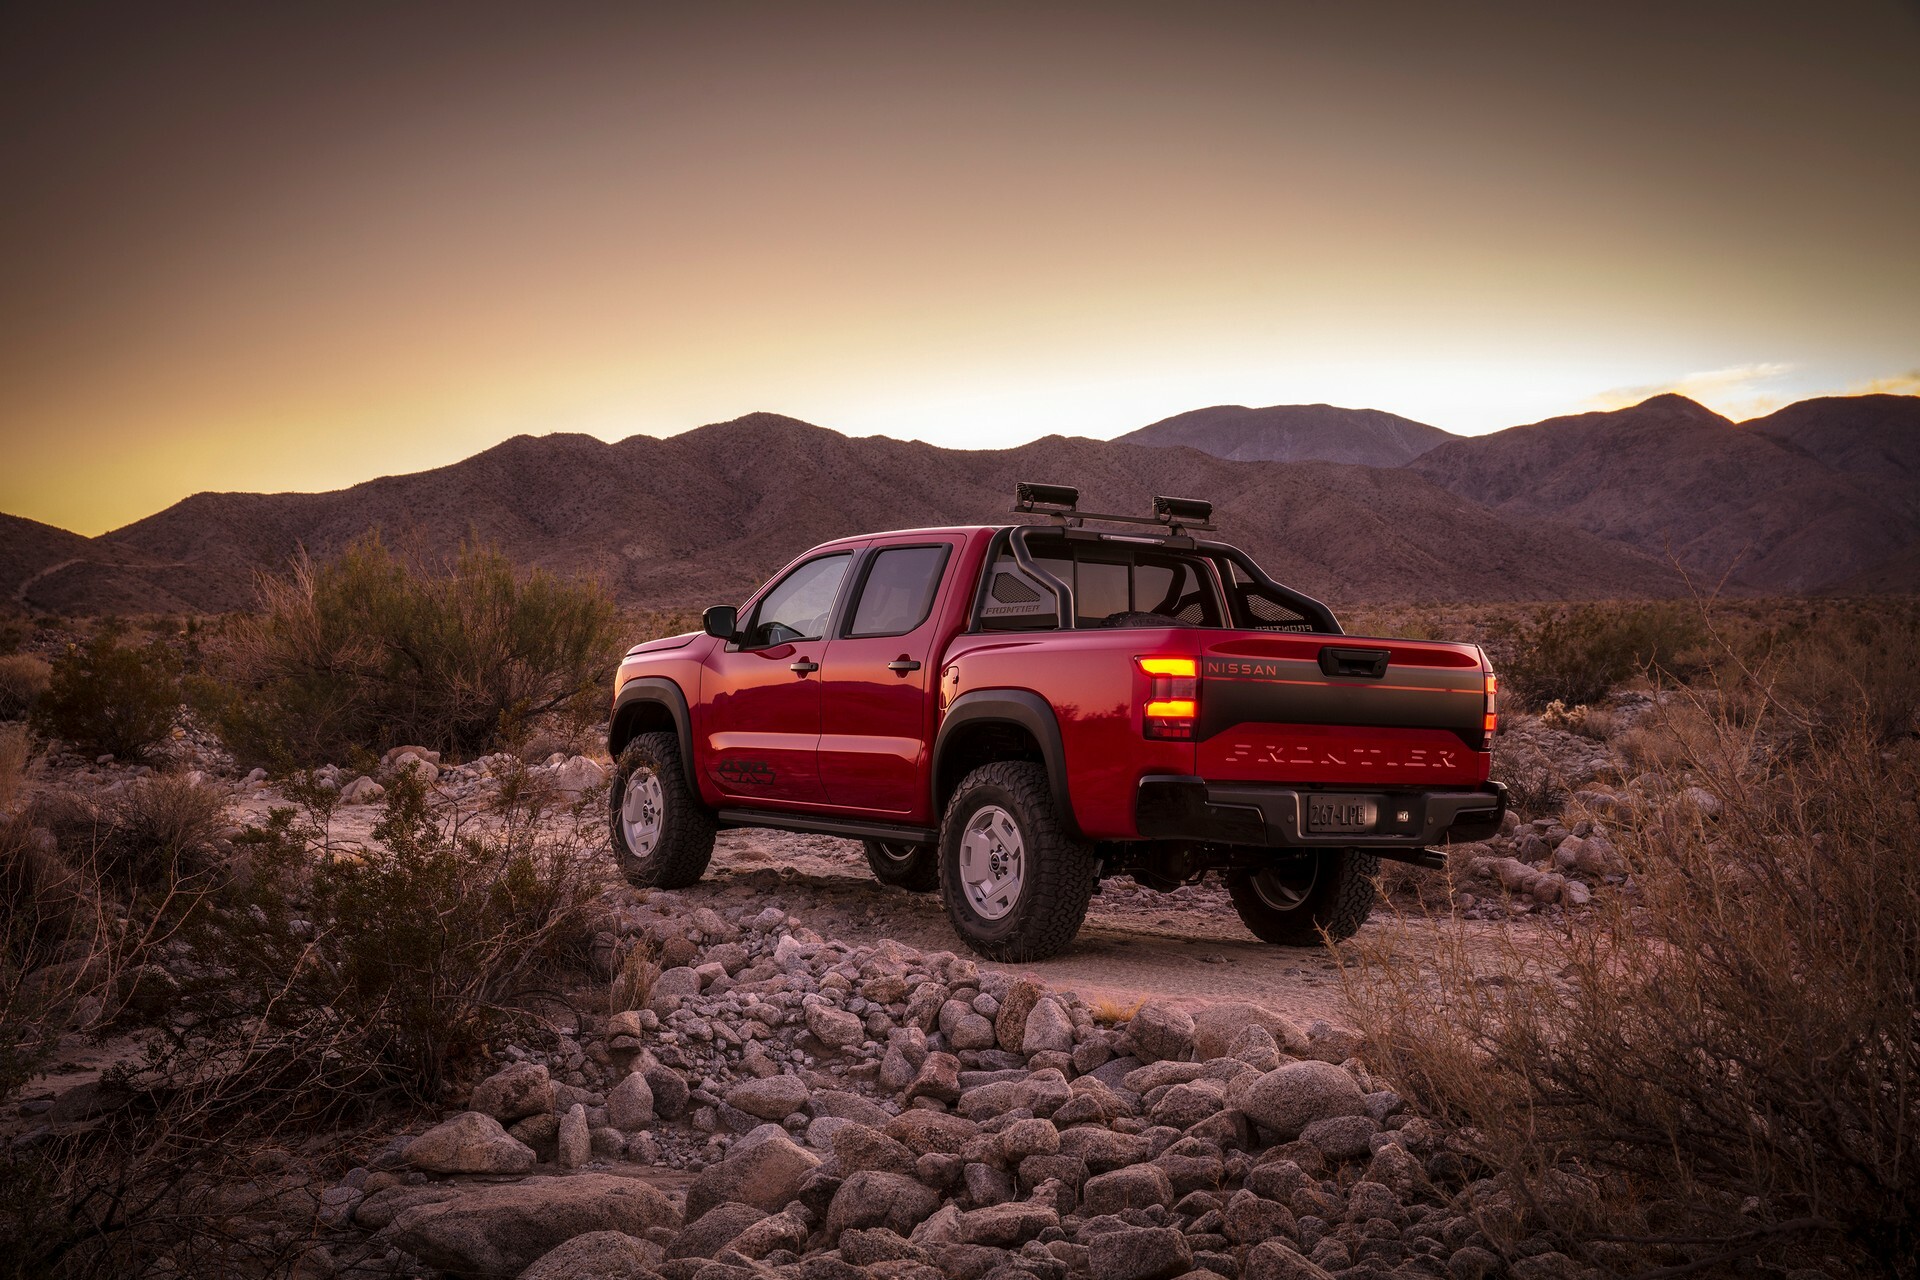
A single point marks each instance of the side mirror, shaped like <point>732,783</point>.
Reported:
<point>722,621</point>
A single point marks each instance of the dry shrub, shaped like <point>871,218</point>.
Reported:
<point>1718,1062</point>
<point>14,749</point>
<point>373,649</point>
<point>389,973</point>
<point>1848,670</point>
<point>303,985</point>
<point>111,696</point>
<point>633,983</point>
<point>23,678</point>
<point>1113,1010</point>
<point>1579,654</point>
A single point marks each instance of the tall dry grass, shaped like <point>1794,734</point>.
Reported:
<point>1720,1061</point>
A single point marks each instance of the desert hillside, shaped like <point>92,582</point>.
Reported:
<point>1779,505</point>
<point>703,516</point>
<point>1295,433</point>
<point>1817,497</point>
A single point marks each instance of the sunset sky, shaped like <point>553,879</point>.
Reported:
<point>293,247</point>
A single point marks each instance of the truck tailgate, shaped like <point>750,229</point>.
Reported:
<point>1346,710</point>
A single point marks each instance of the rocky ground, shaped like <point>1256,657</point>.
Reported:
<point>816,1085</point>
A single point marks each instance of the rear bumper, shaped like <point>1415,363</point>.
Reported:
<point>1259,814</point>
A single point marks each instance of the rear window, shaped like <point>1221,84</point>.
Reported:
<point>1112,586</point>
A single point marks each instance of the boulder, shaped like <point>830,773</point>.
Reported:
<point>579,775</point>
<point>1048,1029</point>
<point>523,1089</point>
<point>924,1131</point>
<point>714,1230</point>
<point>1006,1226</point>
<point>1289,1098</point>
<point>857,1147</point>
<point>1137,1186</point>
<point>939,1079</point>
<point>1010,1022</point>
<point>774,1098</point>
<point>1217,1026</point>
<point>777,1231</point>
<point>500,1230</point>
<point>1341,1137</point>
<point>469,1143</point>
<point>670,1091</point>
<point>1161,1030</point>
<point>871,1198</point>
<point>1248,1219</point>
<point>835,1028</point>
<point>630,1103</point>
<point>1279,1260</point>
<point>1140,1253</point>
<point>597,1255</point>
<point>766,1174</point>
<point>575,1143</point>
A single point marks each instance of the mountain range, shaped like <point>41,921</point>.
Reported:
<point>1820,496</point>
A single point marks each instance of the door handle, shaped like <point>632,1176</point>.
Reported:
<point>803,667</point>
<point>900,666</point>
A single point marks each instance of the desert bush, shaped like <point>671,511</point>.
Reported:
<point>1847,670</point>
<point>14,750</point>
<point>390,972</point>
<point>23,678</point>
<point>370,649</point>
<point>153,838</point>
<point>1719,1061</point>
<point>1579,654</point>
<point>112,696</point>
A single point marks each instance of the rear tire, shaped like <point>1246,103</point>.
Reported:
<point>913,867</point>
<point>662,834</point>
<point>1294,902</point>
<point>1015,882</point>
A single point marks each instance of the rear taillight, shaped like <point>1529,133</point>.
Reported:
<point>1173,697</point>
<point>1492,723</point>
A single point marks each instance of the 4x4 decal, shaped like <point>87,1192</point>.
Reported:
<point>749,772</point>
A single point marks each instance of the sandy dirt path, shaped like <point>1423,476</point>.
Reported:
<point>1188,945</point>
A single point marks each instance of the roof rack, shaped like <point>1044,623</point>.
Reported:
<point>1061,503</point>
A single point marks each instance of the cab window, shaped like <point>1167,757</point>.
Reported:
<point>897,594</point>
<point>799,605</point>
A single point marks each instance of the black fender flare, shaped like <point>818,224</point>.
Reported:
<point>1019,707</point>
<point>660,690</point>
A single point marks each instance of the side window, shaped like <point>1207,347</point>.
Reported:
<point>1014,602</point>
<point>798,606</point>
<point>898,592</point>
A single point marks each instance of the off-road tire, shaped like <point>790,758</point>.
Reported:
<point>680,856</point>
<point>1059,874</point>
<point>913,867</point>
<point>1339,902</point>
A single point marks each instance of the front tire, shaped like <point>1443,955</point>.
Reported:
<point>662,834</point>
<point>1015,882</point>
<point>1294,902</point>
<point>913,867</point>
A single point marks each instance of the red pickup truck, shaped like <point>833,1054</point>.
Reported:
<point>1009,714</point>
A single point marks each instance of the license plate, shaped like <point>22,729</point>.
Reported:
<point>1338,814</point>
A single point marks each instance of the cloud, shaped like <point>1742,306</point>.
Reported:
<point>1899,384</point>
<point>1739,392</point>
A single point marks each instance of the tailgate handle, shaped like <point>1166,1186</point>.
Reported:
<point>1367,664</point>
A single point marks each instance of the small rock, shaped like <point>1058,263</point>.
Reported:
<point>575,1143</point>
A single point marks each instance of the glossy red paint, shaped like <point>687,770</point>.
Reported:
<point>854,739</point>
<point>877,721</point>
